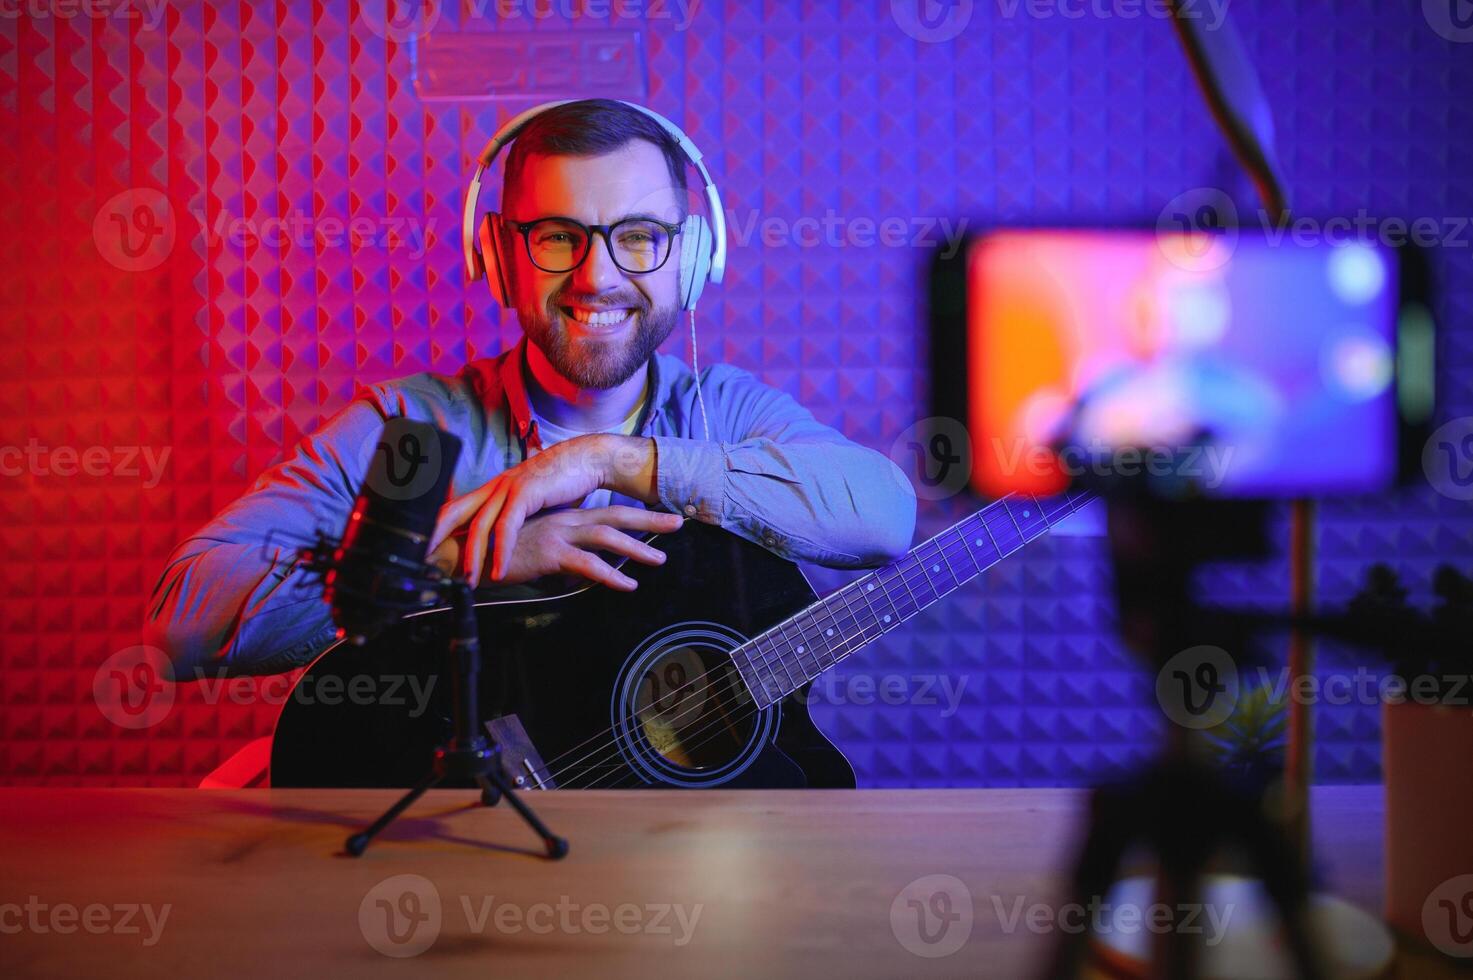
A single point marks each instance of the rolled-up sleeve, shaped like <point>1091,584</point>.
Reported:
<point>780,478</point>
<point>233,597</point>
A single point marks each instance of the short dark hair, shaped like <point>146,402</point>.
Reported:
<point>588,128</point>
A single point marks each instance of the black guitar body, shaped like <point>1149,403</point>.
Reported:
<point>613,689</point>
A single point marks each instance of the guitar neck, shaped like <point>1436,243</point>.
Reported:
<point>797,650</point>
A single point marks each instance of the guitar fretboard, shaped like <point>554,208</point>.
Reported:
<point>797,650</point>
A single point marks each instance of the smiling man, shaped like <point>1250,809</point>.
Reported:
<point>578,440</point>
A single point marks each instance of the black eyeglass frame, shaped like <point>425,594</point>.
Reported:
<point>605,232</point>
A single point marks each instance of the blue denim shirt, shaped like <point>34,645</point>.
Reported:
<point>234,597</point>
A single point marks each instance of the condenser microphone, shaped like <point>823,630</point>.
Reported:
<point>377,574</point>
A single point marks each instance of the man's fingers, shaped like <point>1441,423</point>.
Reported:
<point>590,566</point>
<point>508,526</point>
<point>485,519</point>
<point>606,538</point>
<point>633,518</point>
<point>456,512</point>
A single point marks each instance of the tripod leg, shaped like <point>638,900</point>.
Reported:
<point>1104,846</point>
<point>358,843</point>
<point>492,783</point>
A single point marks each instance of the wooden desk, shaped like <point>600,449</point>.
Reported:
<point>781,883</point>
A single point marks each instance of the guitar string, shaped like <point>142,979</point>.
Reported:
<point>941,551</point>
<point>862,637</point>
<point>622,771</point>
<point>945,551</point>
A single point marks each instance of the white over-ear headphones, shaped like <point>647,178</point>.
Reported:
<point>702,249</point>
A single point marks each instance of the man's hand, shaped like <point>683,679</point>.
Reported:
<point>565,541</point>
<point>563,474</point>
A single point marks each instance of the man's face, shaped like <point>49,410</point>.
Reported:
<point>597,324</point>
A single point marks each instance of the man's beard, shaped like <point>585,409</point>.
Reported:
<point>593,362</point>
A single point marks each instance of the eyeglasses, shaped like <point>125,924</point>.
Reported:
<point>637,245</point>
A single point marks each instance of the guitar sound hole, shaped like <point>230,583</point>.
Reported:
<point>692,709</point>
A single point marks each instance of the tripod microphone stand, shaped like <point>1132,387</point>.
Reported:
<point>468,755</point>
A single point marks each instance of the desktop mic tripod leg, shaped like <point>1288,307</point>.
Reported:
<point>358,843</point>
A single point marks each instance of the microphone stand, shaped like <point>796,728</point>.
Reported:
<point>467,755</point>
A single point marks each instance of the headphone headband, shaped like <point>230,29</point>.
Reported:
<point>516,124</point>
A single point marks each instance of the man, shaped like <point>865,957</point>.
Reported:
<point>570,438</point>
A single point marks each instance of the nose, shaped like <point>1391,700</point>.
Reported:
<point>598,272</point>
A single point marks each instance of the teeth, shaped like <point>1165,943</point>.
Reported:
<point>603,319</point>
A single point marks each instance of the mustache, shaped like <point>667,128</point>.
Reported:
<point>632,301</point>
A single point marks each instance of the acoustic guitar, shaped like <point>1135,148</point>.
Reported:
<point>698,678</point>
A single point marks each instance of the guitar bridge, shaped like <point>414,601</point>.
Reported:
<point>521,766</point>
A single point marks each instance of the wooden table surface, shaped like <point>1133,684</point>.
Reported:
<point>715,883</point>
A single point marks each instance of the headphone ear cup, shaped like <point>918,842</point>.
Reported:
<point>491,254</point>
<point>695,259</point>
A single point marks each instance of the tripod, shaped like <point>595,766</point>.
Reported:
<point>467,756</point>
<point>1179,806</point>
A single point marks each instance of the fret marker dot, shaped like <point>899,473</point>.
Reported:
<point>870,587</point>
<point>828,632</point>
<point>978,542</point>
<point>800,649</point>
<point>1027,513</point>
<point>935,568</point>
<point>887,619</point>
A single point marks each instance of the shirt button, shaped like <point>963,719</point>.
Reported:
<point>690,510</point>
<point>770,541</point>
